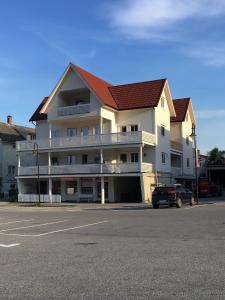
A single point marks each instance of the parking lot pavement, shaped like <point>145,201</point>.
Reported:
<point>123,252</point>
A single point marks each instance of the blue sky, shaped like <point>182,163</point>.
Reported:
<point>121,41</point>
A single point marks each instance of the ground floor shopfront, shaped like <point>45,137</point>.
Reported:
<point>135,188</point>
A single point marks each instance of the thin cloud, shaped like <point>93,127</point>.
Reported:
<point>210,114</point>
<point>210,55</point>
<point>154,18</point>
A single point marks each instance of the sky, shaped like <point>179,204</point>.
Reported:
<point>122,41</point>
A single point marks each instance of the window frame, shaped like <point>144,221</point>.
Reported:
<point>163,158</point>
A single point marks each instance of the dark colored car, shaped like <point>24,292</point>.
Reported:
<point>172,196</point>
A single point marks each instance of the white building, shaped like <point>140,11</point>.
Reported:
<point>99,142</point>
<point>9,134</point>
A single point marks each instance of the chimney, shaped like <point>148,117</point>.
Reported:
<point>9,120</point>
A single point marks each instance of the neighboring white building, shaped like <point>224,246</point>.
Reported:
<point>99,142</point>
<point>9,134</point>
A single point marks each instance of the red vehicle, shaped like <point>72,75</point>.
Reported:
<point>207,189</point>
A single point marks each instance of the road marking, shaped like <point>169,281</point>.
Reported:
<point>16,222</point>
<point>9,246</point>
<point>30,226</point>
<point>71,228</point>
<point>54,231</point>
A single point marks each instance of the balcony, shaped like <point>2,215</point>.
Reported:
<point>73,110</point>
<point>77,169</point>
<point>176,146</point>
<point>120,138</point>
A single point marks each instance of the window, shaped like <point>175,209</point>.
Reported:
<point>96,130</point>
<point>162,130</point>
<point>71,187</point>
<point>84,158</point>
<point>86,186</point>
<point>162,102</point>
<point>71,131</point>
<point>55,133</point>
<point>71,159</point>
<point>85,131</point>
<point>188,162</point>
<point>163,157</point>
<point>123,128</point>
<point>133,128</point>
<point>134,157</point>
<point>97,159</point>
<point>55,161</point>
<point>11,170</point>
<point>187,140</point>
<point>123,157</point>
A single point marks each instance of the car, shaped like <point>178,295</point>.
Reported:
<point>175,195</point>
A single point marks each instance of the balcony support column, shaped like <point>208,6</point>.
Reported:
<point>101,160</point>
<point>140,157</point>
<point>50,133</point>
<point>102,190</point>
<point>49,163</point>
<point>18,164</point>
<point>50,189</point>
<point>101,125</point>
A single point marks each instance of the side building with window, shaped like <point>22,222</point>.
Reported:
<point>99,142</point>
<point>9,135</point>
<point>182,152</point>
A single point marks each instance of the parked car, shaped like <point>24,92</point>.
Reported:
<point>176,195</point>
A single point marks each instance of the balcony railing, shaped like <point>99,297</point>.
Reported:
<point>73,110</point>
<point>137,137</point>
<point>176,146</point>
<point>107,168</point>
<point>43,198</point>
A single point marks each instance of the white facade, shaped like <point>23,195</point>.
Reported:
<point>91,152</point>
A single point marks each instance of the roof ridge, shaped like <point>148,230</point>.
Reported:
<point>76,66</point>
<point>139,82</point>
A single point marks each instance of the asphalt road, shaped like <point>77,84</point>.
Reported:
<point>115,253</point>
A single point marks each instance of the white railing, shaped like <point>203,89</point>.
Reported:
<point>137,137</point>
<point>22,171</point>
<point>107,168</point>
<point>176,146</point>
<point>43,198</point>
<point>73,110</point>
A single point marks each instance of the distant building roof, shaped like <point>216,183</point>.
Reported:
<point>13,133</point>
<point>181,107</point>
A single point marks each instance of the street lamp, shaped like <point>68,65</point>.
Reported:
<point>36,149</point>
<point>193,135</point>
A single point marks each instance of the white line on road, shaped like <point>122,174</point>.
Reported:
<point>9,246</point>
<point>71,228</point>
<point>55,231</point>
<point>11,222</point>
<point>30,226</point>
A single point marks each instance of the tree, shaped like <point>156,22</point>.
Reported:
<point>216,155</point>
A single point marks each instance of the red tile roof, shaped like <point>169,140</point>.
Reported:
<point>99,86</point>
<point>120,97</point>
<point>138,95</point>
<point>181,107</point>
<point>36,115</point>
